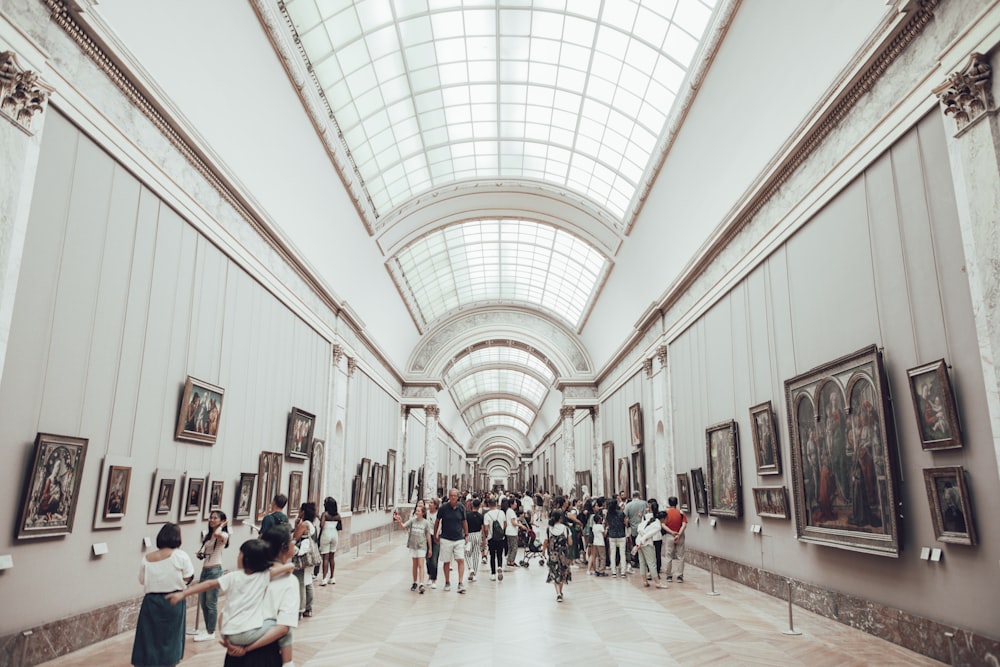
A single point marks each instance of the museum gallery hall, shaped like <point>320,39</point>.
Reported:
<point>737,253</point>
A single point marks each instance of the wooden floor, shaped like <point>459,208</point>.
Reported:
<point>370,617</point>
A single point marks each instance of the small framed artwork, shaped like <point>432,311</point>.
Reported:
<point>934,406</point>
<point>214,503</point>
<point>765,439</point>
<point>317,464</point>
<point>299,434</point>
<point>623,477</point>
<point>294,491</point>
<point>200,412</point>
<point>723,456</point>
<point>194,496</point>
<point>365,473</point>
<point>113,492</point>
<point>53,486</point>
<point>269,481</point>
<point>635,424</point>
<point>243,509</point>
<point>951,508</point>
<point>683,492</point>
<point>163,496</point>
<point>639,472</point>
<point>771,501</point>
<point>698,491</point>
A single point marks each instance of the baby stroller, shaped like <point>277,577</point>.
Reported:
<point>532,544</point>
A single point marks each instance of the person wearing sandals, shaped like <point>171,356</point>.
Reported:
<point>418,544</point>
<point>556,552</point>
<point>329,539</point>
<point>159,632</point>
<point>432,559</point>
<point>216,539</point>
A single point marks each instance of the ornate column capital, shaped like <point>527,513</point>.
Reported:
<point>661,354</point>
<point>966,94</point>
<point>647,365</point>
<point>595,410</point>
<point>352,365</point>
<point>567,411</point>
<point>432,411</point>
<point>338,354</point>
<point>22,93</point>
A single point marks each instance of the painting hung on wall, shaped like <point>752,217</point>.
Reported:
<point>268,481</point>
<point>608,463</point>
<point>374,492</point>
<point>116,491</point>
<point>194,495</point>
<point>294,492</point>
<point>622,478</point>
<point>317,463</point>
<point>765,439</point>
<point>165,496</point>
<point>635,424</point>
<point>390,483</point>
<point>683,492</point>
<point>639,473</point>
<point>583,485</point>
<point>951,508</point>
<point>244,497</point>
<point>299,435</point>
<point>698,491</point>
<point>844,455</point>
<point>723,456</point>
<point>411,486</point>
<point>214,497</point>
<point>934,405</point>
<point>53,486</point>
<point>356,493</point>
<point>771,502</point>
<point>365,472</point>
<point>200,413</point>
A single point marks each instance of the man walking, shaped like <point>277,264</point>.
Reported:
<point>454,528</point>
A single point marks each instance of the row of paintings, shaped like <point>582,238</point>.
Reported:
<point>844,458</point>
<point>374,487</point>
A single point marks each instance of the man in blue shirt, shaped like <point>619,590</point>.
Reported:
<point>452,527</point>
<point>277,515</point>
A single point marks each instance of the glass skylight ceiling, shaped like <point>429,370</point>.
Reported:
<point>500,260</point>
<point>572,92</point>
<point>499,381</point>
<point>500,356</point>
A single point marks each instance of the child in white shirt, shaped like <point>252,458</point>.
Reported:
<point>597,563</point>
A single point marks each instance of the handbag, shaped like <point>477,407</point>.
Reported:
<point>306,553</point>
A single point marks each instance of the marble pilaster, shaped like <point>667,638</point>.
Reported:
<point>569,451</point>
<point>432,413</point>
<point>402,480</point>
<point>596,481</point>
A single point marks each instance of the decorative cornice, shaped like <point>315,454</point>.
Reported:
<point>22,93</point>
<point>966,96</point>
<point>432,411</point>
<point>661,355</point>
<point>595,411</point>
<point>567,411</point>
<point>338,354</point>
<point>352,365</point>
<point>647,365</point>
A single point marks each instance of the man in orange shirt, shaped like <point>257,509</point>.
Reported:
<point>675,522</point>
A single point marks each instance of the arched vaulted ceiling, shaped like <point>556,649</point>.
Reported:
<point>558,106</point>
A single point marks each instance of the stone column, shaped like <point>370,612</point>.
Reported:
<point>596,478</point>
<point>336,483</point>
<point>569,451</point>
<point>432,412</point>
<point>24,98</point>
<point>974,153</point>
<point>402,477</point>
<point>664,448</point>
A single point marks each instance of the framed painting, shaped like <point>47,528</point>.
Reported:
<point>356,493</point>
<point>317,464</point>
<point>194,496</point>
<point>951,507</point>
<point>299,435</point>
<point>843,448</point>
<point>365,472</point>
<point>583,484</point>
<point>622,478</point>
<point>376,486</point>
<point>113,492</point>
<point>243,509</point>
<point>200,412</point>
<point>390,479</point>
<point>639,473</point>
<point>723,457</point>
<point>698,490</point>
<point>164,495</point>
<point>635,424</point>
<point>411,485</point>
<point>294,492</point>
<point>683,492</point>
<point>765,439</point>
<point>771,502</point>
<point>214,503</point>
<point>934,406</point>
<point>268,481</point>
<point>52,489</point>
<point>608,466</point>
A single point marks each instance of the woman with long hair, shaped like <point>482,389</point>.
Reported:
<point>614,521</point>
<point>432,560</point>
<point>418,543</point>
<point>556,552</point>
<point>216,539</point>
<point>305,530</point>
<point>329,539</point>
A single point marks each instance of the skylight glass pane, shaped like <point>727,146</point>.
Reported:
<point>545,63</point>
<point>500,356</point>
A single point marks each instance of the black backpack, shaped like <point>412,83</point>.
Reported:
<point>496,531</point>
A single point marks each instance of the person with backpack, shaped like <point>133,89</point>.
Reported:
<point>304,536</point>
<point>494,528</point>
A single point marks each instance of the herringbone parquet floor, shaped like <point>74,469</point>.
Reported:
<point>370,617</point>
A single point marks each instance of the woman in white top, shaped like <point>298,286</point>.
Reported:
<point>495,543</point>
<point>304,528</point>
<point>216,539</point>
<point>649,528</point>
<point>329,539</point>
<point>159,632</point>
<point>511,532</point>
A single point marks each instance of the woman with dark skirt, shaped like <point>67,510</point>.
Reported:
<point>159,632</point>
<point>556,551</point>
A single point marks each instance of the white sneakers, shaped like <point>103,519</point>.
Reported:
<point>322,582</point>
<point>204,637</point>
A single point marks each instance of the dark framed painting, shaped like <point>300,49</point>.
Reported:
<point>583,483</point>
<point>165,496</point>
<point>723,457</point>
<point>635,424</point>
<point>951,506</point>
<point>317,464</point>
<point>194,495</point>
<point>365,472</point>
<point>843,448</point>
<point>411,486</point>
<point>638,473</point>
<point>390,479</point>
<point>356,493</point>
<point>294,492</point>
<point>200,412</point>
<point>683,492</point>
<point>299,435</point>
<point>765,439</point>
<point>771,501</point>
<point>268,481</point>
<point>698,491</point>
<point>608,463</point>
<point>116,491</point>
<point>52,489</point>
<point>243,509</point>
<point>378,478</point>
<point>622,477</point>
<point>214,503</point>
<point>934,406</point>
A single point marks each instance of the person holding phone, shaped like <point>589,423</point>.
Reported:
<point>210,553</point>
